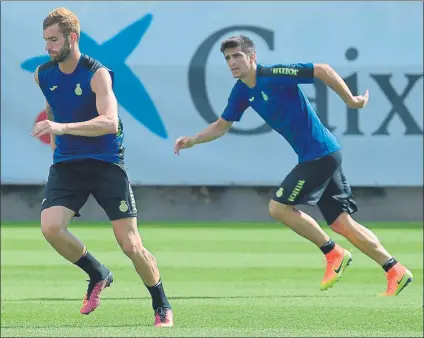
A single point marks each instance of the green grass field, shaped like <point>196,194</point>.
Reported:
<point>241,280</point>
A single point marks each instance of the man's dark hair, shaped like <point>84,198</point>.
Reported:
<point>246,44</point>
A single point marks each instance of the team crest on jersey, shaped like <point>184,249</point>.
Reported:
<point>78,89</point>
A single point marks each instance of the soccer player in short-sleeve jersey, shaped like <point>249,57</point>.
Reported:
<point>274,92</point>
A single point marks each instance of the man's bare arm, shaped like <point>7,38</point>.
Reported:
<point>213,131</point>
<point>330,77</point>
<point>49,112</point>
<point>210,133</point>
<point>50,116</point>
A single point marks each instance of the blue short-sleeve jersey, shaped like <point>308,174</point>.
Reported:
<point>279,100</point>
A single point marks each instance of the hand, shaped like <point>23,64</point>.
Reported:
<point>183,142</point>
<point>359,101</point>
<point>46,126</point>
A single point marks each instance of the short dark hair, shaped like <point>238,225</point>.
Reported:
<point>246,44</point>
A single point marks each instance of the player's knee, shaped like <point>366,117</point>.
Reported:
<point>50,230</point>
<point>343,224</point>
<point>278,210</point>
<point>132,247</point>
<point>346,226</point>
<point>52,225</point>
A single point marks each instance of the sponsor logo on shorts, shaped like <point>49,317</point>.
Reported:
<point>296,190</point>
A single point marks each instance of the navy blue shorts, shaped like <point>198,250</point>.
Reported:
<point>71,183</point>
<point>319,182</point>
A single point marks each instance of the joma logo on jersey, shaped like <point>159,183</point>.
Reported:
<point>284,71</point>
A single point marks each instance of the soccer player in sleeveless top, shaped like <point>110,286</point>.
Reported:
<point>87,138</point>
<point>273,91</point>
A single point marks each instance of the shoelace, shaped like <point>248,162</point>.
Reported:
<point>162,313</point>
<point>91,286</point>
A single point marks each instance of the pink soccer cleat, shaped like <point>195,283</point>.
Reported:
<point>164,317</point>
<point>92,297</point>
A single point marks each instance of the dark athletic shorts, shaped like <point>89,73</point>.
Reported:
<point>70,184</point>
<point>319,182</point>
